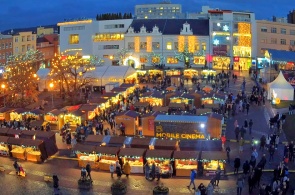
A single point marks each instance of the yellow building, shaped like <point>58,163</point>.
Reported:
<point>23,41</point>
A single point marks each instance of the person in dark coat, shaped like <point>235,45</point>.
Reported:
<point>237,164</point>
<point>257,175</point>
<point>262,162</point>
<point>246,168</point>
<point>118,171</point>
<point>251,182</point>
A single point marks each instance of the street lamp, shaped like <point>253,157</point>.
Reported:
<point>51,85</point>
<point>3,88</point>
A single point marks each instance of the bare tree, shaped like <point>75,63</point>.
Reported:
<point>185,56</point>
<point>121,55</point>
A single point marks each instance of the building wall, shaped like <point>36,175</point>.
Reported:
<point>5,47</point>
<point>281,39</point>
<point>153,11</point>
<point>23,41</point>
<point>44,31</point>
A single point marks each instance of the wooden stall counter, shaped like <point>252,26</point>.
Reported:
<point>104,164</point>
<point>19,153</point>
<point>34,156</point>
<point>185,170</point>
<point>91,159</point>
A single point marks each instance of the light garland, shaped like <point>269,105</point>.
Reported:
<point>149,47</point>
<point>191,44</point>
<point>137,44</point>
<point>181,43</point>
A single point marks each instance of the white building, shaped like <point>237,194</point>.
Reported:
<point>164,10</point>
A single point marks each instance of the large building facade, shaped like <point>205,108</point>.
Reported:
<point>158,11</point>
<point>5,47</point>
<point>23,42</point>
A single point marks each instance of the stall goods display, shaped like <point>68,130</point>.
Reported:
<point>4,150</point>
<point>105,164</point>
<point>91,157</point>
<point>136,166</point>
<point>213,165</point>
<point>182,166</point>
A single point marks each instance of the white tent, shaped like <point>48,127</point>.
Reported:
<point>280,88</point>
<point>43,75</point>
<point>106,74</point>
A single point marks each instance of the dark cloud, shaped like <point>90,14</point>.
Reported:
<point>26,13</point>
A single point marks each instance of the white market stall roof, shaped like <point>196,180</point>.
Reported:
<point>107,74</point>
<point>181,119</point>
<point>43,73</point>
<point>281,88</point>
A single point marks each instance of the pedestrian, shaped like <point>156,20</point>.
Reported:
<point>250,126</point>
<point>262,161</point>
<point>277,141</point>
<point>240,185</point>
<point>192,179</point>
<point>223,140</point>
<point>251,182</point>
<point>237,131</point>
<point>262,190</point>
<point>88,169</point>
<point>118,170</point>
<point>267,142</point>
<point>55,181</point>
<point>122,128</point>
<point>246,124</point>
<point>83,173</point>
<point>158,172</point>
<point>246,168</point>
<point>291,151</point>
<point>210,188</point>
<point>202,189</point>
<point>16,167</point>
<point>262,142</point>
<point>228,154</point>
<point>237,164</point>
<point>271,152</point>
<point>153,171</point>
<point>147,170</point>
<point>257,175</point>
<point>127,168</point>
<point>170,170</point>
<point>112,169</point>
<point>247,107</point>
<point>241,145</point>
<point>217,176</point>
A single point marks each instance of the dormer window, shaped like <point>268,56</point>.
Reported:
<point>186,29</point>
<point>143,29</point>
<point>130,30</point>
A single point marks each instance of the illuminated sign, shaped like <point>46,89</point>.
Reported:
<point>236,59</point>
<point>160,133</point>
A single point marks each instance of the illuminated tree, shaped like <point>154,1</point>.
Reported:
<point>21,78</point>
<point>69,71</point>
<point>185,56</point>
<point>156,58</point>
<point>121,55</point>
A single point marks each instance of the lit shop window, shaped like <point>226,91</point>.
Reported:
<point>155,60</point>
<point>74,39</point>
<point>169,46</point>
<point>172,60</point>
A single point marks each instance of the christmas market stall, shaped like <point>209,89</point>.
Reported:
<point>72,116</point>
<point>156,72</point>
<point>13,133</point>
<point>161,157</point>
<point>3,131</point>
<point>27,149</point>
<point>95,140</point>
<point>86,154</point>
<point>52,117</point>
<point>130,119</point>
<point>211,160</point>
<point>116,141</point>
<point>155,98</point>
<point>135,158</point>
<point>181,127</point>
<point>147,123</point>
<point>172,72</point>
<point>190,73</point>
<point>205,73</point>
<point>185,161</point>
<point>176,80</point>
<point>90,110</point>
<point>184,98</point>
<point>49,140</point>
<point>35,114</point>
<point>166,144</point>
<point>4,149</point>
<point>17,114</point>
<point>5,113</point>
<point>142,142</point>
<point>141,106</point>
<point>27,134</point>
<point>106,156</point>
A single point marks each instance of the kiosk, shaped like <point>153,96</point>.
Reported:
<point>4,149</point>
<point>106,156</point>
<point>135,158</point>
<point>161,157</point>
<point>211,160</point>
<point>185,161</point>
<point>86,154</point>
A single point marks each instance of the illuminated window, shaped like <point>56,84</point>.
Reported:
<point>143,59</point>
<point>74,39</point>
<point>143,45</point>
<point>156,45</point>
<point>169,45</point>
<point>204,46</point>
<point>197,47</point>
<point>171,60</point>
<point>283,41</point>
<point>155,60</point>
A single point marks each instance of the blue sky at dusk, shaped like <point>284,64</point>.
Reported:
<point>30,13</point>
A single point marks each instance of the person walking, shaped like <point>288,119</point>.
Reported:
<point>240,185</point>
<point>170,170</point>
<point>217,176</point>
<point>112,170</point>
<point>192,179</point>
<point>250,126</point>
<point>237,164</point>
<point>237,132</point>
<point>16,167</point>
<point>210,188</point>
<point>241,145</point>
<point>127,168</point>
<point>158,172</point>
<point>247,107</point>
<point>228,153</point>
<point>246,168</point>
<point>251,182</point>
<point>88,169</point>
<point>118,170</point>
<point>271,153</point>
<point>147,170</point>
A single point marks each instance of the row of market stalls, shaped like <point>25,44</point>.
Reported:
<point>100,151</point>
<point>35,146</point>
<point>187,73</point>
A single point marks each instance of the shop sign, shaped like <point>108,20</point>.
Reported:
<point>236,59</point>
<point>180,135</point>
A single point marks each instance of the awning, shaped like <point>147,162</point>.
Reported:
<point>166,144</point>
<point>213,155</point>
<point>280,55</point>
<point>4,139</point>
<point>186,155</point>
<point>165,154</point>
<point>84,148</point>
<point>37,111</point>
<point>94,140</point>
<point>140,142</point>
<point>117,141</point>
<point>137,152</point>
<point>107,150</point>
<point>55,112</point>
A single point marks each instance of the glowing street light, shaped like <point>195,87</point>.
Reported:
<point>51,85</point>
<point>3,86</point>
